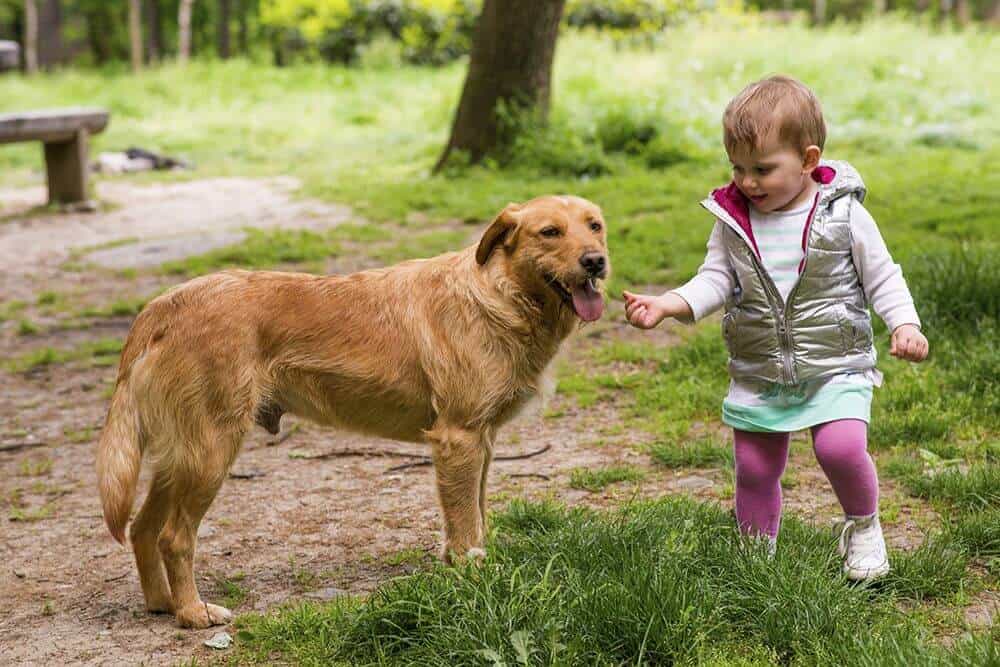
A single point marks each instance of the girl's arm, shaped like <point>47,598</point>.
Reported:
<point>884,286</point>
<point>714,282</point>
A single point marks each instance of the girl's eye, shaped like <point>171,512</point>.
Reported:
<point>764,171</point>
<point>595,226</point>
<point>550,232</point>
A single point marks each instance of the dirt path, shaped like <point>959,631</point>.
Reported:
<point>289,527</point>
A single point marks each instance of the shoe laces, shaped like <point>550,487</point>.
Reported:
<point>858,535</point>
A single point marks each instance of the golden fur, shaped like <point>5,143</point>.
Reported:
<point>442,350</point>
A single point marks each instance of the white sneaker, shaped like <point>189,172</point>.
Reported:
<point>863,548</point>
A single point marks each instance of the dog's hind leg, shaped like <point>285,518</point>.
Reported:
<point>459,456</point>
<point>488,441</point>
<point>144,531</point>
<point>194,490</point>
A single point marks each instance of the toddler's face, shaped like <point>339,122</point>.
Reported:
<point>774,177</point>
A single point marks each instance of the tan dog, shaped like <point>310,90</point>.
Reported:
<point>442,350</point>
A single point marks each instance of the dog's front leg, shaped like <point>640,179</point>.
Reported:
<point>460,455</point>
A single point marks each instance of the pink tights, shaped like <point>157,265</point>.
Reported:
<point>841,449</point>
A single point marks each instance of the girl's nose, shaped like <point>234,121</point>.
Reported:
<point>749,183</point>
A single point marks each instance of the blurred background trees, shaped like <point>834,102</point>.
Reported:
<point>431,32</point>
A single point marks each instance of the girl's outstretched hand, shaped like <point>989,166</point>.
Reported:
<point>643,311</point>
<point>908,343</point>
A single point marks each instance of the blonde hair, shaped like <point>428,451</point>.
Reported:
<point>776,104</point>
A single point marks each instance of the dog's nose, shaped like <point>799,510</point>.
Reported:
<point>594,263</point>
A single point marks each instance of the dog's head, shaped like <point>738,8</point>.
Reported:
<point>556,247</point>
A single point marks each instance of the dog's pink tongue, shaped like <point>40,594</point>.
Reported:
<point>587,302</point>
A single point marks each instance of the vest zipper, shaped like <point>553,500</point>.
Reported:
<point>779,306</point>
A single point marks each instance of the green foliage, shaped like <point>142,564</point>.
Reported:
<point>597,479</point>
<point>665,582</point>
<point>431,32</point>
<point>626,16</point>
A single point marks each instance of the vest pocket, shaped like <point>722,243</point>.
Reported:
<point>856,333</point>
<point>730,333</point>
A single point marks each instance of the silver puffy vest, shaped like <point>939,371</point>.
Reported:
<point>824,327</point>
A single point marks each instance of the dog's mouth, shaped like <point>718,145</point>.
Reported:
<point>585,299</point>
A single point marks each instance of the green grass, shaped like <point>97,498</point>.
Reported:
<point>977,489</point>
<point>667,582</point>
<point>597,479</point>
<point>103,352</point>
<point>700,453</point>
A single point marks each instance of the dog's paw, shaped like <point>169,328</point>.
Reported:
<point>475,555</point>
<point>203,615</point>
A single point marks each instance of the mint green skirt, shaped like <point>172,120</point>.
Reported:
<point>786,409</point>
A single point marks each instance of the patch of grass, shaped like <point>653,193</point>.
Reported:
<point>978,489</point>
<point>935,569</point>
<point>35,467</point>
<point>596,479</point>
<point>28,515</point>
<point>229,588</point>
<point>977,533</point>
<point>79,435</point>
<point>117,308</point>
<point>103,352</point>
<point>10,309</point>
<point>666,582</point>
<point>701,453</point>
<point>261,249</point>
<point>406,557</point>
<point>426,244</point>
<point>27,328</point>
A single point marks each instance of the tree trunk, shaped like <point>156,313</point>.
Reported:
<point>155,26</point>
<point>50,50</point>
<point>184,31</point>
<point>224,7</point>
<point>963,12</point>
<point>993,15</point>
<point>511,62</point>
<point>30,36</point>
<point>879,6</point>
<point>135,33</point>
<point>243,32</point>
<point>819,12</point>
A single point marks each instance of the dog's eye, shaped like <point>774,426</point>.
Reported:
<point>550,232</point>
<point>595,226</point>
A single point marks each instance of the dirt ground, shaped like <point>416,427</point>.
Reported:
<point>285,526</point>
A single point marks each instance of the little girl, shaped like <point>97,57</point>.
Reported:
<point>796,260</point>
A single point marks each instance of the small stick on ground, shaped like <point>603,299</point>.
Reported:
<point>426,460</point>
<point>14,446</point>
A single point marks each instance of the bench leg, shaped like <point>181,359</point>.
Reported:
<point>66,169</point>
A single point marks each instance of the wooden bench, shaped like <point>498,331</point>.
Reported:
<point>65,134</point>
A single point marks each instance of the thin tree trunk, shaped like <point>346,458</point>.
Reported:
<point>963,12</point>
<point>819,12</point>
<point>511,63</point>
<point>879,6</point>
<point>30,36</point>
<point>243,32</point>
<point>993,15</point>
<point>155,26</point>
<point>224,12</point>
<point>135,33</point>
<point>49,48</point>
<point>184,31</point>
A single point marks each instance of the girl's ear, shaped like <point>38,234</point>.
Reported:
<point>810,160</point>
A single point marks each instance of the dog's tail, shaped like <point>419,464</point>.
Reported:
<point>119,456</point>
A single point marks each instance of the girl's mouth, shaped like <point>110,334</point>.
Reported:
<point>758,197</point>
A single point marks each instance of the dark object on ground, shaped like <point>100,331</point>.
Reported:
<point>10,55</point>
<point>137,159</point>
<point>66,135</point>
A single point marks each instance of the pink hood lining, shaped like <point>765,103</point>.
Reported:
<point>736,204</point>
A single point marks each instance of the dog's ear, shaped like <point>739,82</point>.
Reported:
<point>499,230</point>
